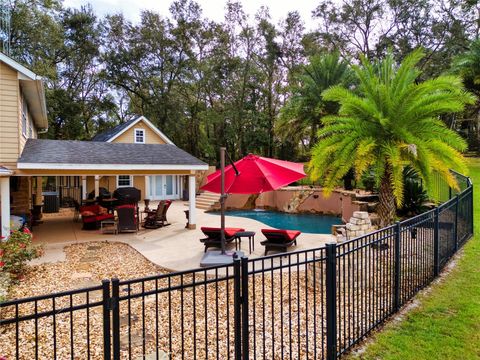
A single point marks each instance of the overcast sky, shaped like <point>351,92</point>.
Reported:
<point>212,9</point>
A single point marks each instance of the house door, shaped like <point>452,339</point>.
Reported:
<point>164,187</point>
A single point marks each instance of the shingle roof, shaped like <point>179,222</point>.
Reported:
<point>106,135</point>
<point>88,152</point>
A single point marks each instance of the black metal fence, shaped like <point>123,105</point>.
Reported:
<point>309,304</point>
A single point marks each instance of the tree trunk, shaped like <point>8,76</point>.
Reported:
<point>386,208</point>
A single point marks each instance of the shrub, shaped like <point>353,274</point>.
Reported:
<point>16,251</point>
<point>415,196</point>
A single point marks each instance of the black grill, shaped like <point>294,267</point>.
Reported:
<point>127,195</point>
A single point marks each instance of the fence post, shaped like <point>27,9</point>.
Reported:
<point>470,205</point>
<point>331,298</point>
<point>436,241</point>
<point>107,351</point>
<point>396,294</point>
<point>245,324</point>
<point>115,307</point>
<point>237,305</point>
<point>455,228</point>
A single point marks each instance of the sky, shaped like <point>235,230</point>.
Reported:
<point>212,9</point>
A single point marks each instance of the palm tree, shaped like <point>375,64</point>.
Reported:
<point>468,66</point>
<point>389,122</point>
<point>301,116</point>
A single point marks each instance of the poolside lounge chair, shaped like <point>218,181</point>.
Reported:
<point>127,218</point>
<point>213,236</point>
<point>279,239</point>
<point>158,217</point>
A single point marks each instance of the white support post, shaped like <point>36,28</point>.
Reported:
<point>191,202</point>
<point>5,208</point>
<point>84,187</point>
<point>147,188</point>
<point>97,186</point>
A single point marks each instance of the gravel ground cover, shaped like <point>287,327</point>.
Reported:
<point>197,319</point>
<point>186,314</point>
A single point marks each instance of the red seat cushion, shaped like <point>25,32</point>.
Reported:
<point>289,235</point>
<point>104,217</point>
<point>89,219</point>
<point>229,232</point>
<point>92,208</point>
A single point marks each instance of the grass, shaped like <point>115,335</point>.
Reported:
<point>446,324</point>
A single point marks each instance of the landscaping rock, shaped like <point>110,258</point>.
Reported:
<point>352,227</point>
<point>360,214</point>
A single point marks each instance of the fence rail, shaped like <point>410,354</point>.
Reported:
<point>309,304</point>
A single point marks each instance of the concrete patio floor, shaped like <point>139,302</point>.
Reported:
<point>172,247</point>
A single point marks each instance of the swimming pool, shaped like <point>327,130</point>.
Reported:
<point>307,223</point>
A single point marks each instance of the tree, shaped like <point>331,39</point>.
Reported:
<point>301,116</point>
<point>391,122</point>
<point>467,65</point>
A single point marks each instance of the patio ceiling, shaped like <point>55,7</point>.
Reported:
<point>60,157</point>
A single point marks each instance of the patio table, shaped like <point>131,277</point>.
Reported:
<point>109,227</point>
<point>251,239</point>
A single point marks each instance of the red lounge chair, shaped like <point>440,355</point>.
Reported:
<point>213,236</point>
<point>279,239</point>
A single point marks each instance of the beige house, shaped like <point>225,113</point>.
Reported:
<point>154,187</point>
<point>135,153</point>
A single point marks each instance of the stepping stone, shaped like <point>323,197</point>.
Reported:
<point>124,319</point>
<point>87,282</point>
<point>150,299</point>
<point>83,267</point>
<point>81,275</point>
<point>162,355</point>
<point>94,247</point>
<point>136,339</point>
<point>89,259</point>
<point>96,295</point>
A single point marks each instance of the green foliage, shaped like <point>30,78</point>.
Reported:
<point>241,82</point>
<point>389,122</point>
<point>415,196</point>
<point>301,116</point>
<point>444,322</point>
<point>16,251</point>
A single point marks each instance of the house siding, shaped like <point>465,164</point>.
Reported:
<point>9,116</point>
<point>151,137</point>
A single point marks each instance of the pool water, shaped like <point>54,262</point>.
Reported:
<point>306,223</point>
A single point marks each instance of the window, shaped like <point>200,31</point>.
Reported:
<point>24,117</point>
<point>30,128</point>
<point>139,136</point>
<point>124,181</point>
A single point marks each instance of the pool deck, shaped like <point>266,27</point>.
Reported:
<point>172,247</point>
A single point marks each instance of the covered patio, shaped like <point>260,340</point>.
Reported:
<point>92,161</point>
<point>172,247</point>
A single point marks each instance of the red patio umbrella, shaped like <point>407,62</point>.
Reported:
<point>254,175</point>
<point>250,175</point>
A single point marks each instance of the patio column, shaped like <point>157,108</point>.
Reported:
<point>5,208</point>
<point>191,202</point>
<point>97,186</point>
<point>84,187</point>
<point>38,191</point>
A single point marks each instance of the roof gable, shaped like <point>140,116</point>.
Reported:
<point>112,134</point>
<point>33,90</point>
<point>24,73</point>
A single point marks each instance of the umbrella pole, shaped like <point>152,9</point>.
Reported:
<point>222,199</point>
